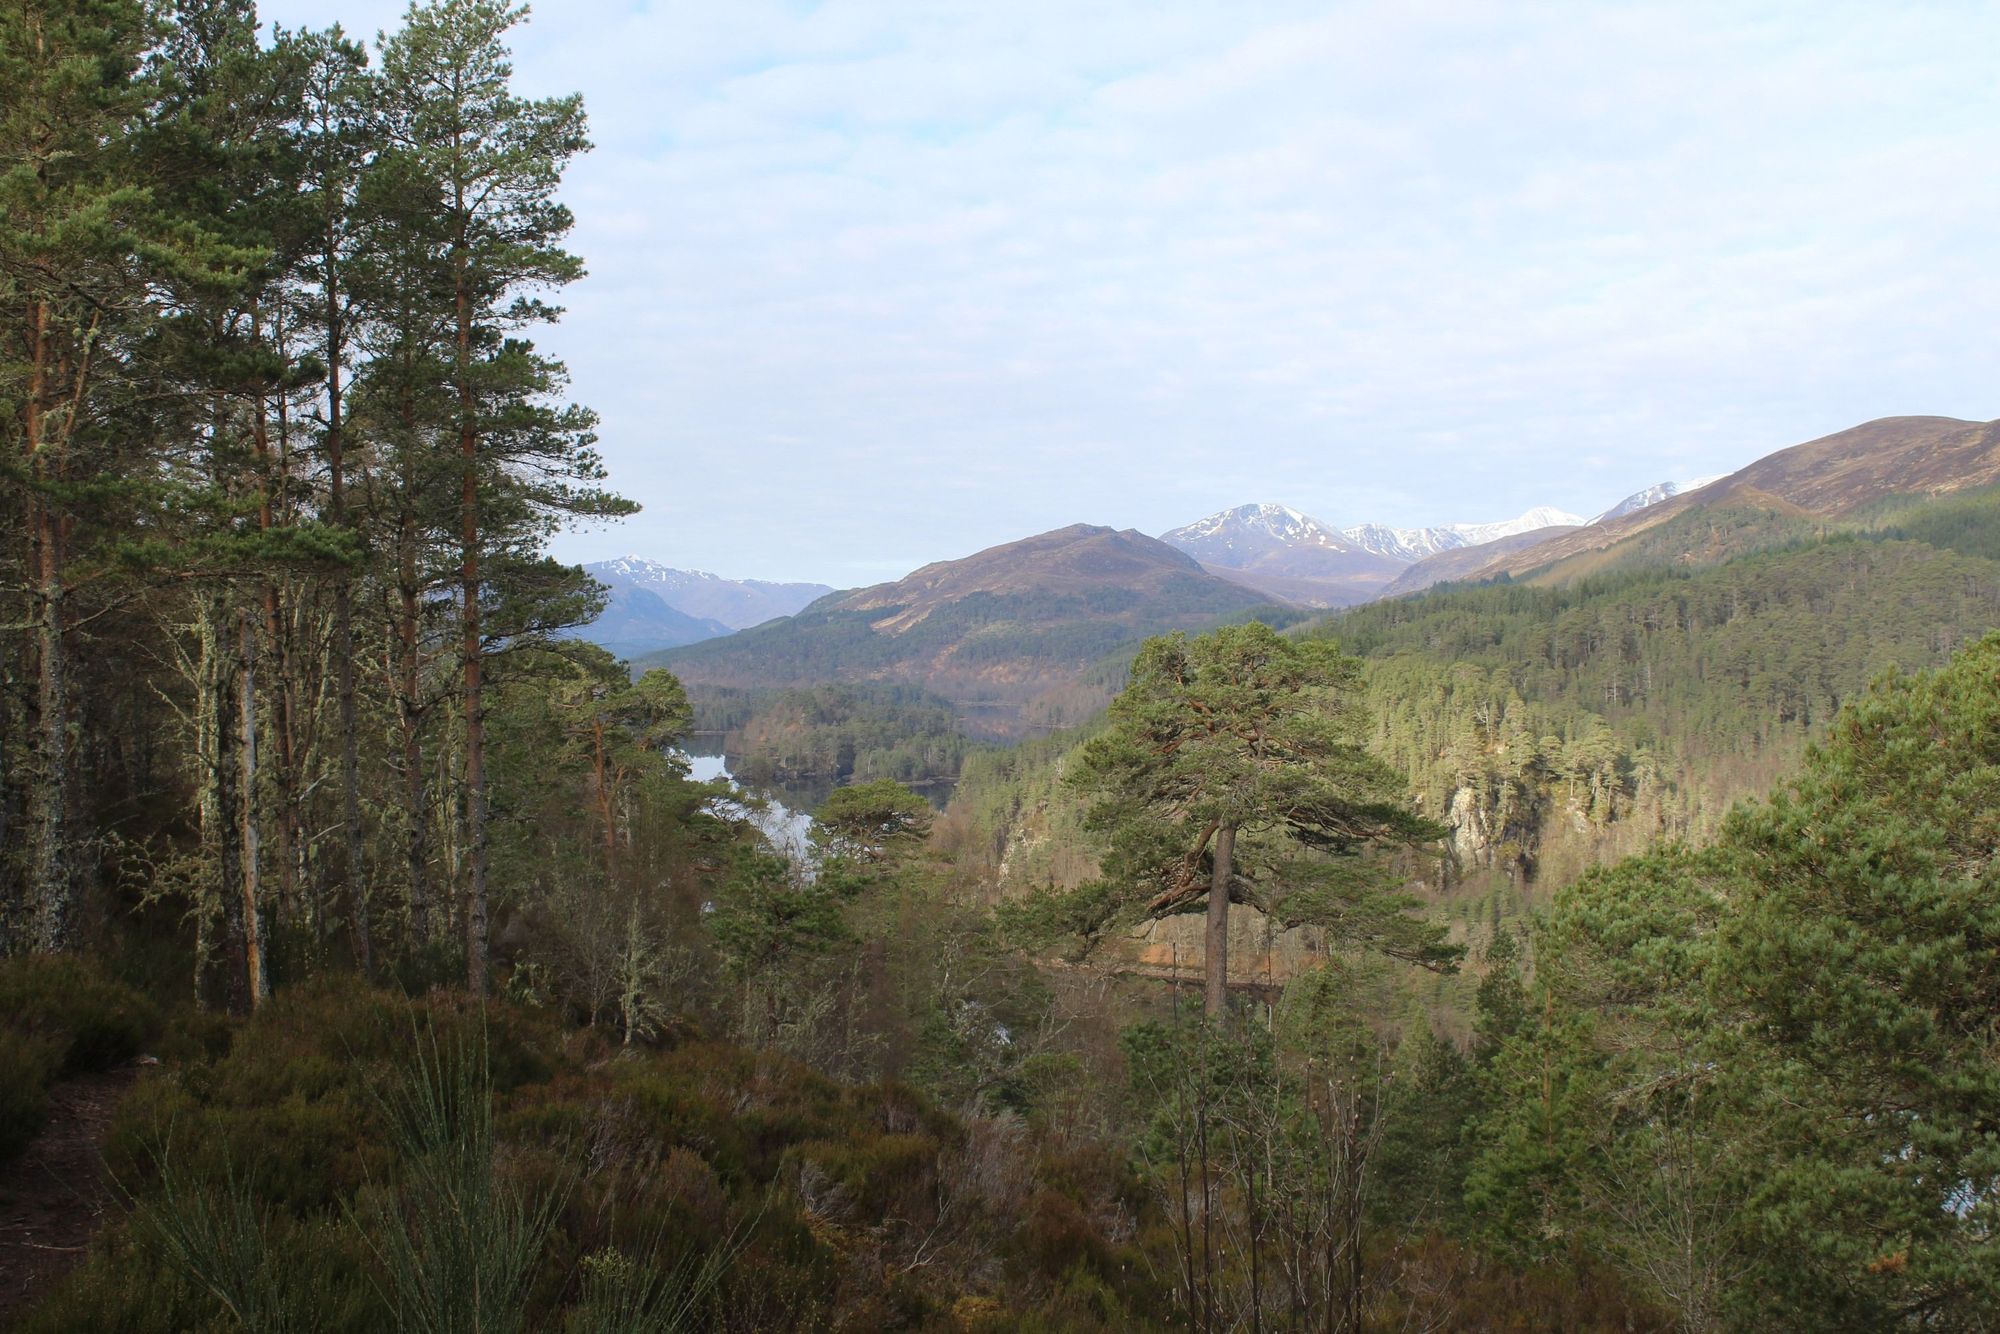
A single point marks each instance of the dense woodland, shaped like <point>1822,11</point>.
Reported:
<point>841,733</point>
<point>1657,916</point>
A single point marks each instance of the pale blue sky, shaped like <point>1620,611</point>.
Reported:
<point>874,284</point>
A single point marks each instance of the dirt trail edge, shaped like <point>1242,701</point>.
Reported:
<point>54,1198</point>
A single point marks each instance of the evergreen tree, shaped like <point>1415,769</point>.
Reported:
<point>73,218</point>
<point>484,165</point>
<point>1243,732</point>
<point>1864,954</point>
<point>333,137</point>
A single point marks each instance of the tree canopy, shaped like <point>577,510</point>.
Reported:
<point>1234,768</point>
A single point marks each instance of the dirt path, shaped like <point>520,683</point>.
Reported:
<point>54,1197</point>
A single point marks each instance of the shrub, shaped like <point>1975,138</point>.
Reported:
<point>92,1022</point>
<point>24,1101</point>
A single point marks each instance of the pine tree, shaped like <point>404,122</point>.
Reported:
<point>1245,734</point>
<point>488,163</point>
<point>337,105</point>
<point>71,286</point>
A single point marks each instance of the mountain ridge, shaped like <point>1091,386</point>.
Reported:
<point>1293,556</point>
<point>1829,477</point>
<point>991,631</point>
<point>734,603</point>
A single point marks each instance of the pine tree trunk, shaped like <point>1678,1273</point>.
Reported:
<point>606,812</point>
<point>475,716</point>
<point>416,851</point>
<point>1215,950</point>
<point>256,979</point>
<point>284,802</point>
<point>52,877</point>
<point>216,714</point>
<point>343,648</point>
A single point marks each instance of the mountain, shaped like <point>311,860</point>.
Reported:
<point>1272,537</point>
<point>735,603</point>
<point>1460,562</point>
<point>1410,545</point>
<point>1293,556</point>
<point>1557,724</point>
<point>1284,554</point>
<point>1831,477</point>
<point>638,620</point>
<point>990,632</point>
<point>1653,495</point>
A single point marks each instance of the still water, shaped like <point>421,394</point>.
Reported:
<point>788,826</point>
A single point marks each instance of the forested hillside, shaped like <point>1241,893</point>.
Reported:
<point>1554,728</point>
<point>839,733</point>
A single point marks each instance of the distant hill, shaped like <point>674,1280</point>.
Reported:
<point>1654,495</point>
<point>638,620</point>
<point>1415,544</point>
<point>990,632</point>
<point>1285,554</point>
<point>654,606</point>
<point>1561,725</point>
<point>1363,584</point>
<point>1832,477</point>
<point>732,603</point>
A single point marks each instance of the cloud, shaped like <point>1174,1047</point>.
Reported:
<point>876,284</point>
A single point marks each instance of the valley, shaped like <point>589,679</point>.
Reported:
<point>415,916</point>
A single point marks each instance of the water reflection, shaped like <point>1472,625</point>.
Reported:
<point>787,826</point>
<point>787,818</point>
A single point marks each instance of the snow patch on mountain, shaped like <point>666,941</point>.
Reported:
<point>1414,544</point>
<point>1256,526</point>
<point>1234,537</point>
<point>1653,495</point>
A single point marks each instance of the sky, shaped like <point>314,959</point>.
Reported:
<point>876,284</point>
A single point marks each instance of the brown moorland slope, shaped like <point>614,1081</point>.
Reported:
<point>1829,477</point>
<point>989,632</point>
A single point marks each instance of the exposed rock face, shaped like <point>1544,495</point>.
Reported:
<point>1260,953</point>
<point>1471,839</point>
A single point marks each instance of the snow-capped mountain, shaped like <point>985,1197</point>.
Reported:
<point>1414,544</point>
<point>1542,516</point>
<point>1246,537</point>
<point>1653,495</point>
<point>733,603</point>
<point>1301,559</point>
<point>1242,537</point>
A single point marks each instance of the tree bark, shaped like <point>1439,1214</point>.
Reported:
<point>217,716</point>
<point>286,825</point>
<point>416,851</point>
<point>1215,950</point>
<point>343,638</point>
<point>475,705</point>
<point>605,810</point>
<point>53,876</point>
<point>255,978</point>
